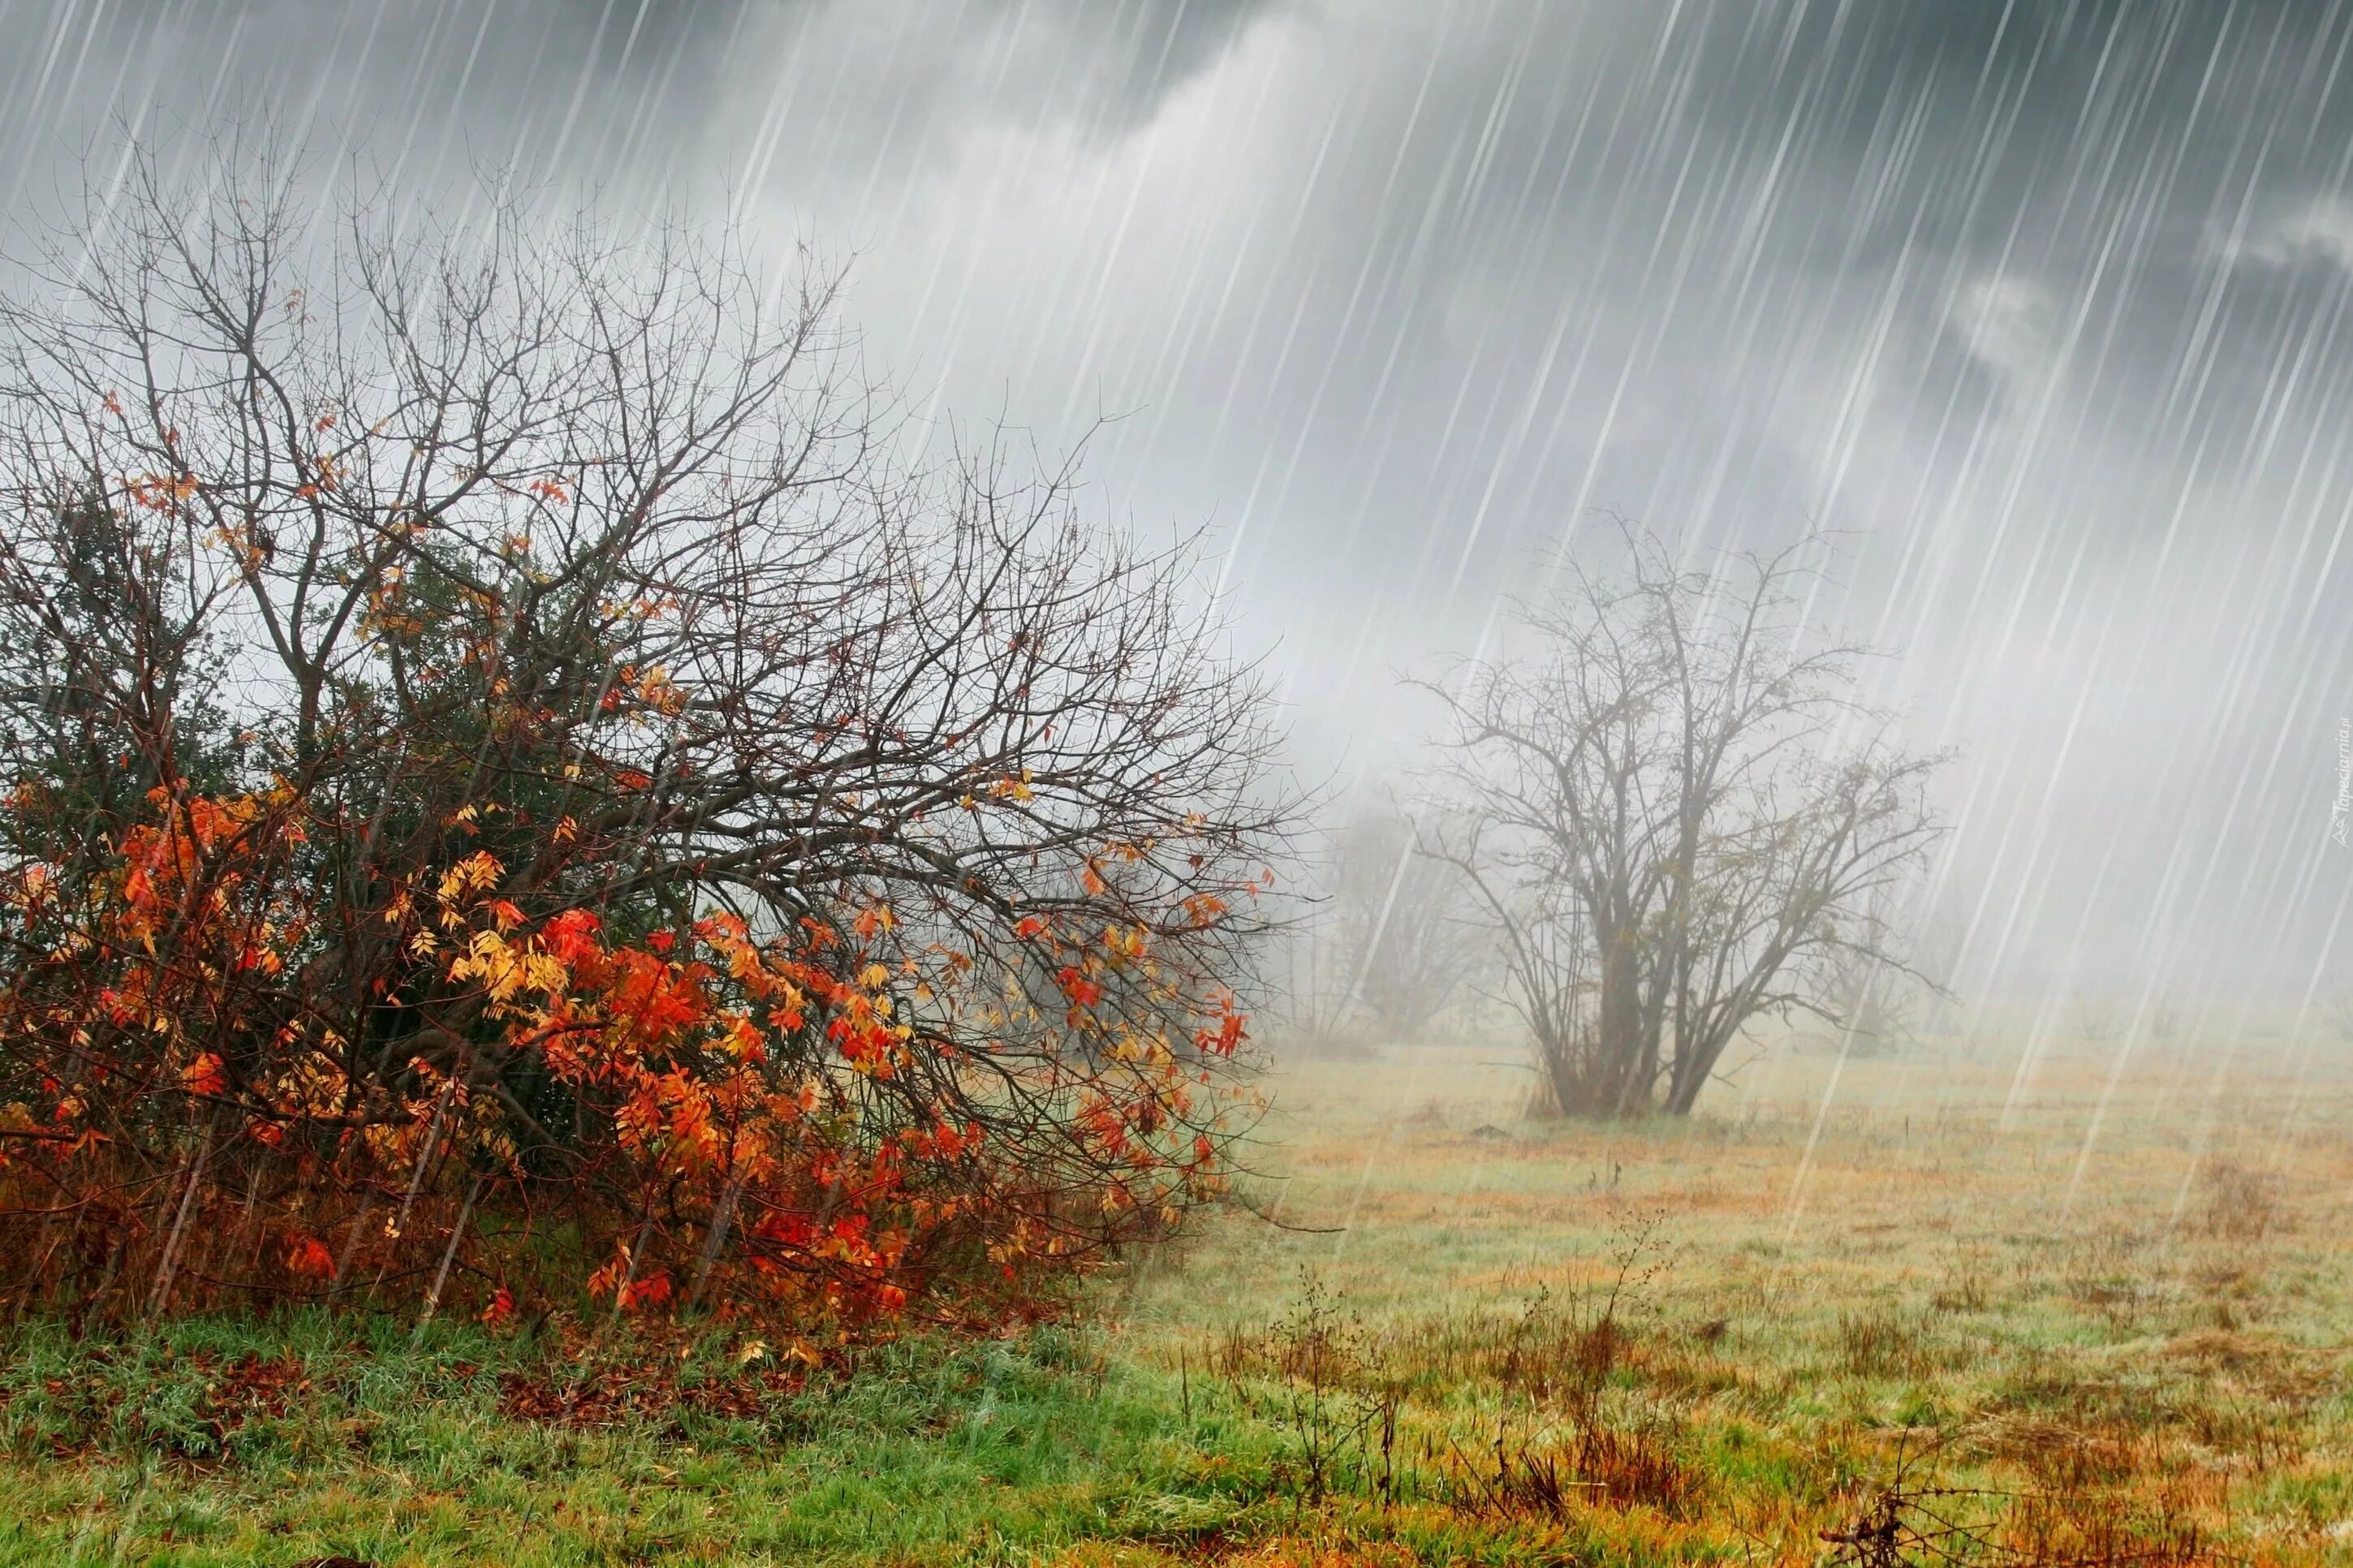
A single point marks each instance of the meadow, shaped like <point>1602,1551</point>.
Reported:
<point>1968,1306</point>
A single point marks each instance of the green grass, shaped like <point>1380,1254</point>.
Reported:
<point>143,1451</point>
<point>1419,1371</point>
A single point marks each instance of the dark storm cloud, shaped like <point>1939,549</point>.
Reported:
<point>2119,157</point>
<point>2047,301</point>
<point>604,91</point>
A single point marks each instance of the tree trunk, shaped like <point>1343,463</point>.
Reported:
<point>1621,1088</point>
<point>1692,1068</point>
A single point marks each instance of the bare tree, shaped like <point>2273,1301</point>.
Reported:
<point>1681,816</point>
<point>1538,934</point>
<point>1870,1004</point>
<point>1938,944</point>
<point>2098,1017</point>
<point>1877,1006</point>
<point>1394,937</point>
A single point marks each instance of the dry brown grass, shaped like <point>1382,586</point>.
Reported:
<point>2240,1204</point>
<point>2097,1314</point>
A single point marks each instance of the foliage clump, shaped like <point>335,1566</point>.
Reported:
<point>513,785</point>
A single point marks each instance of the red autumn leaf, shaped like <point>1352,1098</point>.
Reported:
<point>307,1257</point>
<point>1082,991</point>
<point>651,1290</point>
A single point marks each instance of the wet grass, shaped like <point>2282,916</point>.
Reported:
<point>1923,1327</point>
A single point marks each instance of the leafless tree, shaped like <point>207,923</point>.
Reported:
<point>1878,1006</point>
<point>1871,1006</point>
<point>1938,946</point>
<point>1538,940</point>
<point>1393,938</point>
<point>1680,816</point>
<point>2098,1017</point>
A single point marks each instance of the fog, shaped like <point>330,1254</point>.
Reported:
<point>2037,312</point>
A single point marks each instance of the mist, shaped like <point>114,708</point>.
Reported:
<point>2034,313</point>
<point>1228,782</point>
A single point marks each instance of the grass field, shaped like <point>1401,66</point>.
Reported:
<point>2055,1311</point>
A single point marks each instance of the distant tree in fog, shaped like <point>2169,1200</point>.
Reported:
<point>2340,1015</point>
<point>1395,939</point>
<point>1875,1007</point>
<point>1678,814</point>
<point>1939,943</point>
<point>1870,1005</point>
<point>2097,1018</point>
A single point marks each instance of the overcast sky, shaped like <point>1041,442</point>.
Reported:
<point>2045,302</point>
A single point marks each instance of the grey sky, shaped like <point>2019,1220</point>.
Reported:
<point>2046,300</point>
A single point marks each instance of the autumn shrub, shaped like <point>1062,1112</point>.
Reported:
<point>515,786</point>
